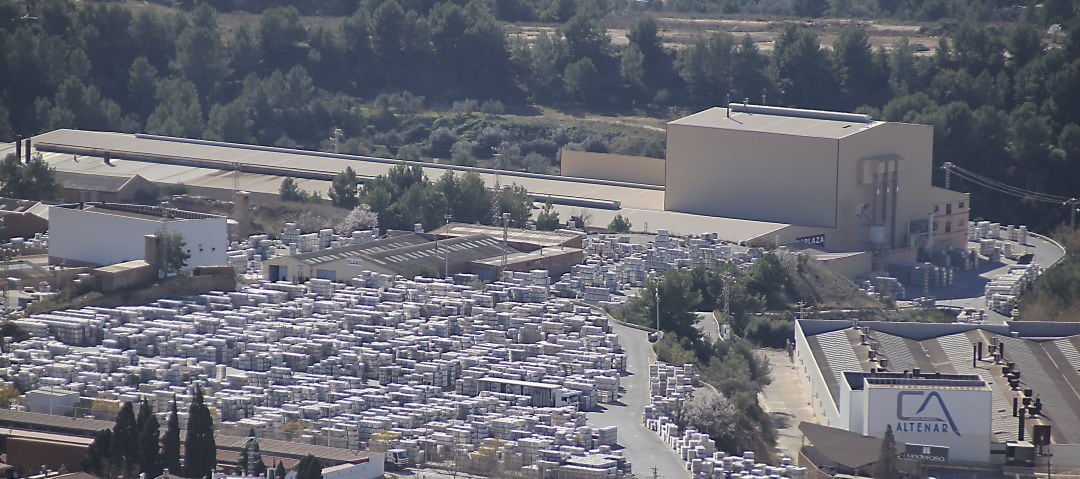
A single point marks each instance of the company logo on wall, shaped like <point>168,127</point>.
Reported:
<point>815,240</point>
<point>917,411</point>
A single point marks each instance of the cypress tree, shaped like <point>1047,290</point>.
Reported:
<point>309,468</point>
<point>125,439</point>
<point>200,451</point>
<point>886,467</point>
<point>170,444</point>
<point>279,471</point>
<point>243,461</point>
<point>253,458</point>
<point>97,456</point>
<point>149,455</point>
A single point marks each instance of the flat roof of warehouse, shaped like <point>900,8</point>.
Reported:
<point>627,194</point>
<point>780,121</point>
<point>728,229</point>
<point>1046,354</point>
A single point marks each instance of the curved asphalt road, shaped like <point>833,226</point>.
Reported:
<point>969,287</point>
<point>643,448</point>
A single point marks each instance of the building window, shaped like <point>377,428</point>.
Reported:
<point>948,227</point>
<point>961,206</point>
<point>948,208</point>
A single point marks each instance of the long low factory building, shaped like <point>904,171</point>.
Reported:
<point>217,170</point>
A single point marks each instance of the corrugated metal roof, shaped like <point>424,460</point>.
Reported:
<point>513,235</point>
<point>91,182</point>
<point>88,427</point>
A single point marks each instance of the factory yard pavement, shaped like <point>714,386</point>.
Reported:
<point>786,401</point>
<point>643,448</point>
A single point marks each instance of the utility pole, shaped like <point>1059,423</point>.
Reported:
<point>1074,204</point>
<point>336,136</point>
<point>506,220</point>
<point>657,291</point>
<point>446,254</point>
<point>496,199</point>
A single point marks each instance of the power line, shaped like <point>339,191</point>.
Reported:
<point>1003,187</point>
<point>1013,191</point>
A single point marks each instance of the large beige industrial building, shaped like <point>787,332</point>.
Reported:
<point>834,182</point>
<point>860,180</point>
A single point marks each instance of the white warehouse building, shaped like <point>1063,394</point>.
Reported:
<point>967,391</point>
<point>94,234</point>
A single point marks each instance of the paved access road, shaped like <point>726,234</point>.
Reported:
<point>969,287</point>
<point>643,447</point>
<point>786,401</point>
<point>706,323</point>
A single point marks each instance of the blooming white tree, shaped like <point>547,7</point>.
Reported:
<point>360,218</point>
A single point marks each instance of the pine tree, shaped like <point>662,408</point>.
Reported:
<point>125,439</point>
<point>149,455</point>
<point>343,191</point>
<point>200,451</point>
<point>170,444</point>
<point>279,471</point>
<point>886,467</point>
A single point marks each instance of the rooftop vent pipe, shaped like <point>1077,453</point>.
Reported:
<point>745,107</point>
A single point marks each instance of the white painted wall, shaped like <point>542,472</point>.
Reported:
<point>368,470</point>
<point>79,236</point>
<point>969,410</point>
<point>1065,455</point>
<point>814,382</point>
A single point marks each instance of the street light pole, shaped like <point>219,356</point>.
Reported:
<point>446,254</point>
<point>657,305</point>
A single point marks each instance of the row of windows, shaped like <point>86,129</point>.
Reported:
<point>948,207</point>
<point>948,225</point>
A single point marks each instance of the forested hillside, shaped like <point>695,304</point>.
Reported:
<point>1002,87</point>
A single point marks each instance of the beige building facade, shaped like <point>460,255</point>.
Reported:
<point>863,181</point>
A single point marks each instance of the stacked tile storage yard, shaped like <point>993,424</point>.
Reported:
<point>348,364</point>
<point>615,264</point>
<point>381,360</point>
<point>1003,291</point>
<point>673,386</point>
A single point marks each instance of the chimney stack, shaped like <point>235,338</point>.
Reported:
<point>18,147</point>
<point>26,151</point>
<point>1020,435</point>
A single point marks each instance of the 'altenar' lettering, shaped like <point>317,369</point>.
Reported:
<point>913,426</point>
